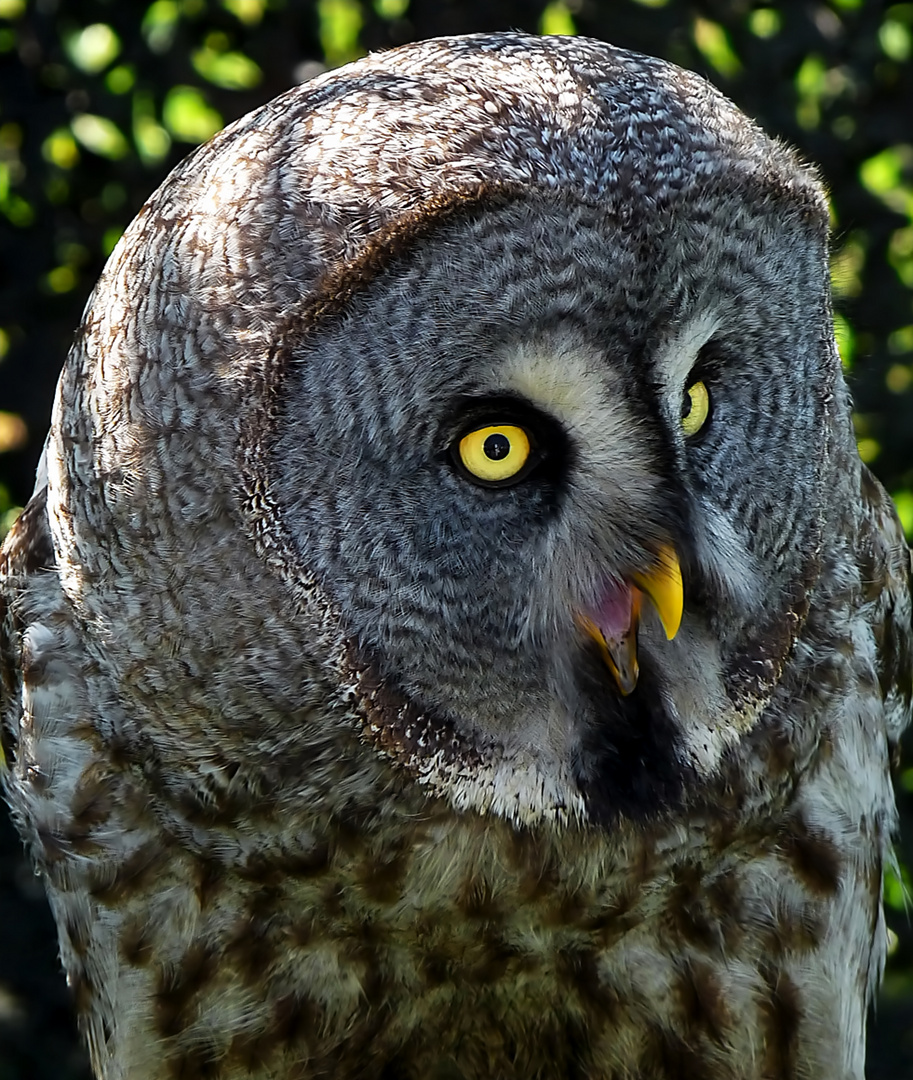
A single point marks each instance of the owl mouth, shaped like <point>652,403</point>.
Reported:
<point>613,620</point>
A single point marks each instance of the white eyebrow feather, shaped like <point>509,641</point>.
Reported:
<point>679,352</point>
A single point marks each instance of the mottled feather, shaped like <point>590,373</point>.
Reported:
<point>306,733</point>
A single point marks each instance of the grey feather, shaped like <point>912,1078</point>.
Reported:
<point>325,774</point>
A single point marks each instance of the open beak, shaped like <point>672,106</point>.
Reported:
<point>612,622</point>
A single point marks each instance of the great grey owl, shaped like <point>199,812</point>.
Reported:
<point>453,636</point>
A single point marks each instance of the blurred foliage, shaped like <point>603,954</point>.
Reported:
<point>99,99</point>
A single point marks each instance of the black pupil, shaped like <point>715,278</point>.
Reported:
<point>497,447</point>
<point>687,404</point>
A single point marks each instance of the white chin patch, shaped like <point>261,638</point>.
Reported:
<point>514,786</point>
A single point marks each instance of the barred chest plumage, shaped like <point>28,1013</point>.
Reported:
<point>399,938</point>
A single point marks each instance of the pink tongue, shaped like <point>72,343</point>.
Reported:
<point>612,612</point>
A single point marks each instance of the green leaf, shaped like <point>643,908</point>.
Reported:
<point>120,80</point>
<point>713,43</point>
<point>894,39</point>
<point>811,77</point>
<point>557,19</point>
<point>391,9</point>
<point>100,135</point>
<point>810,81</point>
<point>847,267</point>
<point>883,176</point>
<point>160,25</point>
<point>93,48</point>
<point>60,149</point>
<point>869,449</point>
<point>188,116</point>
<point>896,887</point>
<point>900,254</point>
<point>249,12</point>
<point>151,139</point>
<point>898,378</point>
<point>903,500</point>
<point>17,211</point>
<point>340,24</point>
<point>230,70</point>
<point>765,22</point>
<point>62,279</point>
<point>901,340</point>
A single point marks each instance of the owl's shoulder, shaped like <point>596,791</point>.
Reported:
<point>44,667</point>
<point>27,550</point>
<point>886,566</point>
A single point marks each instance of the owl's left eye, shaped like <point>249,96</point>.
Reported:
<point>695,408</point>
<point>496,454</point>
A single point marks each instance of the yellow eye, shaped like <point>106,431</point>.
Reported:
<point>695,408</point>
<point>495,454</point>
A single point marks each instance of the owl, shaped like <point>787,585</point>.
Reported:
<point>453,635</point>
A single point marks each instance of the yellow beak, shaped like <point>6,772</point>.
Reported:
<point>662,583</point>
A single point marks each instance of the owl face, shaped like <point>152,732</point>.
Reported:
<point>525,423</point>
<point>496,422</point>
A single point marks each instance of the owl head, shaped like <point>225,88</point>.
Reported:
<point>468,418</point>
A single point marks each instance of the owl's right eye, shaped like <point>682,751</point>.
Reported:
<point>496,455</point>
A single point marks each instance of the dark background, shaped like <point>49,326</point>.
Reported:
<point>98,100</point>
